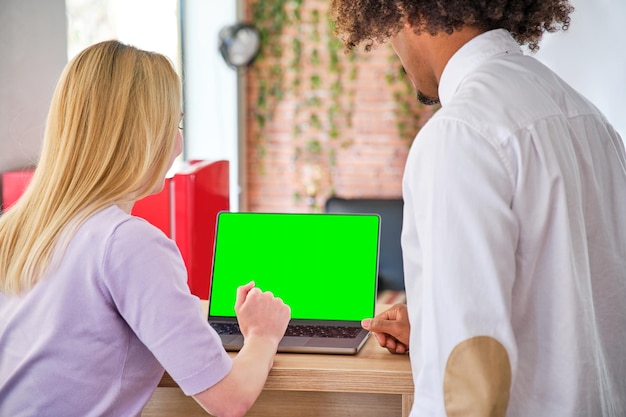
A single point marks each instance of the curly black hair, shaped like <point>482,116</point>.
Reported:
<point>375,21</point>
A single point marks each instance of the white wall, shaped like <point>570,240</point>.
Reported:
<point>591,56</point>
<point>33,53</point>
<point>210,88</point>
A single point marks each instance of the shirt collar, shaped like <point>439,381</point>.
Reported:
<point>469,56</point>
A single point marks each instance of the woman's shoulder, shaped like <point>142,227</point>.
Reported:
<point>128,246</point>
<point>111,228</point>
<point>112,220</point>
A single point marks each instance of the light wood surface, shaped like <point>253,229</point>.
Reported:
<point>370,383</point>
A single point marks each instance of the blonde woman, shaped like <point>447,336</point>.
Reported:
<point>93,301</point>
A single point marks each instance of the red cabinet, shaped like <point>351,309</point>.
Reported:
<point>199,193</point>
<point>185,210</point>
<point>13,185</point>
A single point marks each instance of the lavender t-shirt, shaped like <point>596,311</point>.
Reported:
<point>93,336</point>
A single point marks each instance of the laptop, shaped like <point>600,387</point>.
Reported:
<point>324,266</point>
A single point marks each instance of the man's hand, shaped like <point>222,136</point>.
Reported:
<point>391,328</point>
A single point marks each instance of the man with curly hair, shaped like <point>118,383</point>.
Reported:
<point>514,230</point>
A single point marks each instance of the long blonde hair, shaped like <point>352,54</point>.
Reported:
<point>109,137</point>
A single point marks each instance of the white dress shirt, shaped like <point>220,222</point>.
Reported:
<point>515,229</point>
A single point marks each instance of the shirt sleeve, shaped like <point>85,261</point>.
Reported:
<point>459,242</point>
<point>146,278</point>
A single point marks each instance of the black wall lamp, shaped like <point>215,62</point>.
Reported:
<point>239,44</point>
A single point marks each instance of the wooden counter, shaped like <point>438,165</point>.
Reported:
<point>371,383</point>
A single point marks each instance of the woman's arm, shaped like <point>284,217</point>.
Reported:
<point>263,319</point>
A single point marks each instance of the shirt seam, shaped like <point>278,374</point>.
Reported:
<point>493,143</point>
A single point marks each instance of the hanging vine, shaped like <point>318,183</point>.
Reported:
<point>408,110</point>
<point>302,59</point>
<point>270,18</point>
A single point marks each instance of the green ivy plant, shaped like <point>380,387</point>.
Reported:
<point>270,17</point>
<point>311,68</point>
<point>407,109</point>
<point>319,91</point>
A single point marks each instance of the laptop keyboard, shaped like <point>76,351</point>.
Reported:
<point>298,330</point>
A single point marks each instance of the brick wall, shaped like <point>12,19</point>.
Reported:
<point>315,146</point>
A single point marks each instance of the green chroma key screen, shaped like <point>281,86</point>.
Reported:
<point>324,266</point>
